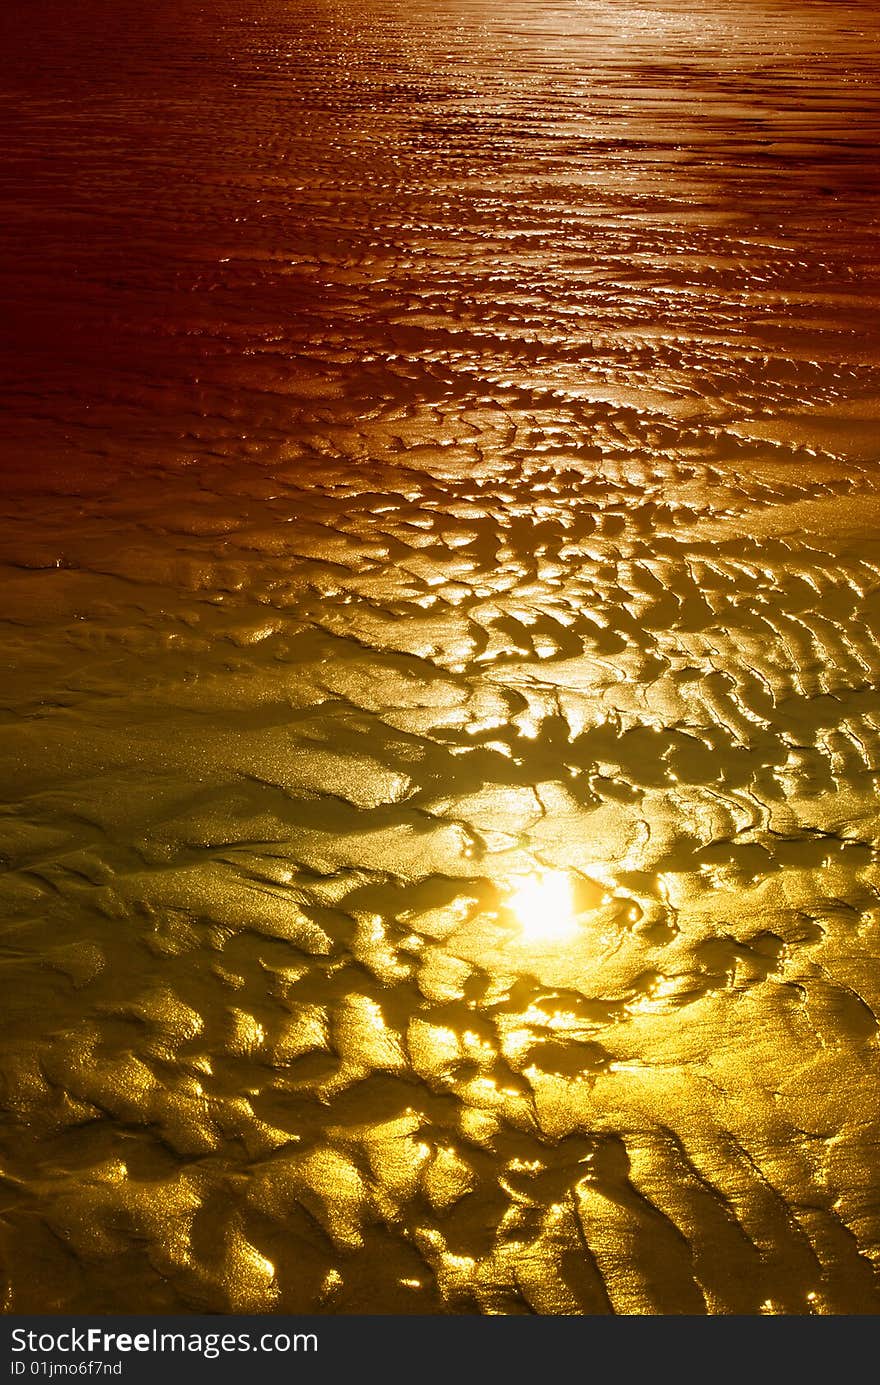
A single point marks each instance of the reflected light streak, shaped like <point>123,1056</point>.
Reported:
<point>543,906</point>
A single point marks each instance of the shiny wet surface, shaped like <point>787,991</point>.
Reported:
<point>440,610</point>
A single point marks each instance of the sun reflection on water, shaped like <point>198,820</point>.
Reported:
<point>544,908</point>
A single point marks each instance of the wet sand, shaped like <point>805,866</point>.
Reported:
<point>440,601</point>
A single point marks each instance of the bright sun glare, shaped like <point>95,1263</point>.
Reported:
<point>544,907</point>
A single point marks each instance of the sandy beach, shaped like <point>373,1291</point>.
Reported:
<point>440,633</point>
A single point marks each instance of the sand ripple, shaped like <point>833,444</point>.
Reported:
<point>440,596</point>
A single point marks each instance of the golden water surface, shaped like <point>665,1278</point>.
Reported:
<point>440,603</point>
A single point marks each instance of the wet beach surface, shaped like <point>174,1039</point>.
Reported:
<point>439,722</point>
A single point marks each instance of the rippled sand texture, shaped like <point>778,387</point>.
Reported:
<point>440,598</point>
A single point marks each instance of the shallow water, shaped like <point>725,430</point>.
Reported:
<point>440,596</point>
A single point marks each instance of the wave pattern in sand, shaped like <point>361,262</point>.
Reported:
<point>440,599</point>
